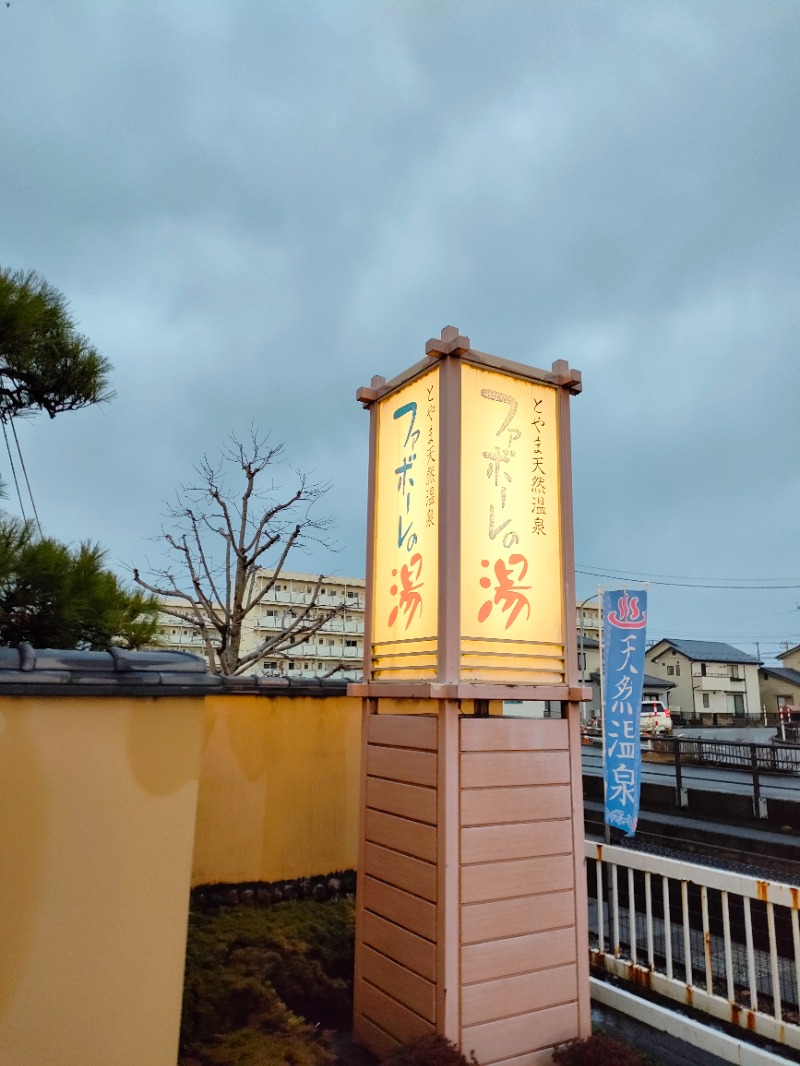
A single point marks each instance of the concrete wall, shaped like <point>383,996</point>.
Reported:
<point>97,806</point>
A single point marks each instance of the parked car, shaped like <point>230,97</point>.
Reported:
<point>655,718</point>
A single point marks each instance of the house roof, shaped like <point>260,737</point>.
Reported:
<point>783,673</point>
<point>789,651</point>
<point>651,682</point>
<point>713,651</point>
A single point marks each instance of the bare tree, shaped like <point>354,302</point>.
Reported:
<point>229,549</point>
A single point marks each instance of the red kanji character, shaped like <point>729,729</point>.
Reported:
<point>409,596</point>
<point>507,593</point>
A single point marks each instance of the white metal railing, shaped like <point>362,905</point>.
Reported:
<point>723,942</point>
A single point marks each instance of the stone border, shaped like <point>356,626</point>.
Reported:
<point>340,884</point>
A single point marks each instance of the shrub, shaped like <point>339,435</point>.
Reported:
<point>599,1050</point>
<point>431,1050</point>
<point>256,977</point>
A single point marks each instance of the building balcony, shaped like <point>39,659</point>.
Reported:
<point>717,682</point>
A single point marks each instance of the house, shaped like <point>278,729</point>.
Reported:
<point>791,658</point>
<point>714,682</point>
<point>780,685</point>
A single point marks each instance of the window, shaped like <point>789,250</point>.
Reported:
<point>784,701</point>
<point>670,670</point>
<point>351,595</point>
<point>702,669</point>
<point>734,669</point>
<point>351,644</point>
<point>706,700</point>
<point>677,669</point>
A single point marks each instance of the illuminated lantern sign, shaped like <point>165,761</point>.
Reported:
<point>406,556</point>
<point>470,549</point>
<point>512,618</point>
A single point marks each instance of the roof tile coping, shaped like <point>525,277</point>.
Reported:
<point>119,669</point>
<point>117,661</point>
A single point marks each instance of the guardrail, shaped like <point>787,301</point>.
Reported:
<point>769,758</point>
<point>724,943</point>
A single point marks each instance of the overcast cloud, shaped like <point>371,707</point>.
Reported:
<point>254,206</point>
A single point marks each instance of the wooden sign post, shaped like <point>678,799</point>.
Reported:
<point>471,909</point>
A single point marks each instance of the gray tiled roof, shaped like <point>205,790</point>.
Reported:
<point>783,673</point>
<point>650,683</point>
<point>712,651</point>
<point>120,672</point>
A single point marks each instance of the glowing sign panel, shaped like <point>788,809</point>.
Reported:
<point>406,552</point>
<point>511,579</point>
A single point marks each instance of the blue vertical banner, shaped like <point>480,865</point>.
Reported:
<point>624,628</point>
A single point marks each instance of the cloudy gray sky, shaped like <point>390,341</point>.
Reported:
<point>253,206</point>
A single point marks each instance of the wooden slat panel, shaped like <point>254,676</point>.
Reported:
<point>401,764</point>
<point>409,988</point>
<point>392,1016</point>
<point>521,877</point>
<point>409,911</point>
<point>491,843</point>
<point>370,1036</point>
<point>525,1033</point>
<point>490,1000</point>
<point>535,1058</point>
<point>491,806</point>
<point>410,951</point>
<point>519,954</point>
<point>516,917</point>
<point>514,734</point>
<point>492,769</point>
<point>412,875</point>
<point>410,801</point>
<point>400,834</point>
<point>403,730</point>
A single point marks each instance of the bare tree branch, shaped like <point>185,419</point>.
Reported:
<point>224,542</point>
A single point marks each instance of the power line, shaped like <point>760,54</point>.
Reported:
<point>27,480</point>
<point>709,584</point>
<point>687,577</point>
<point>14,473</point>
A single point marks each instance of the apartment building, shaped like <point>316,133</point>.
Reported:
<point>336,649</point>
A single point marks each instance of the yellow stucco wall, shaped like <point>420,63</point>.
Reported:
<point>97,805</point>
<point>279,788</point>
